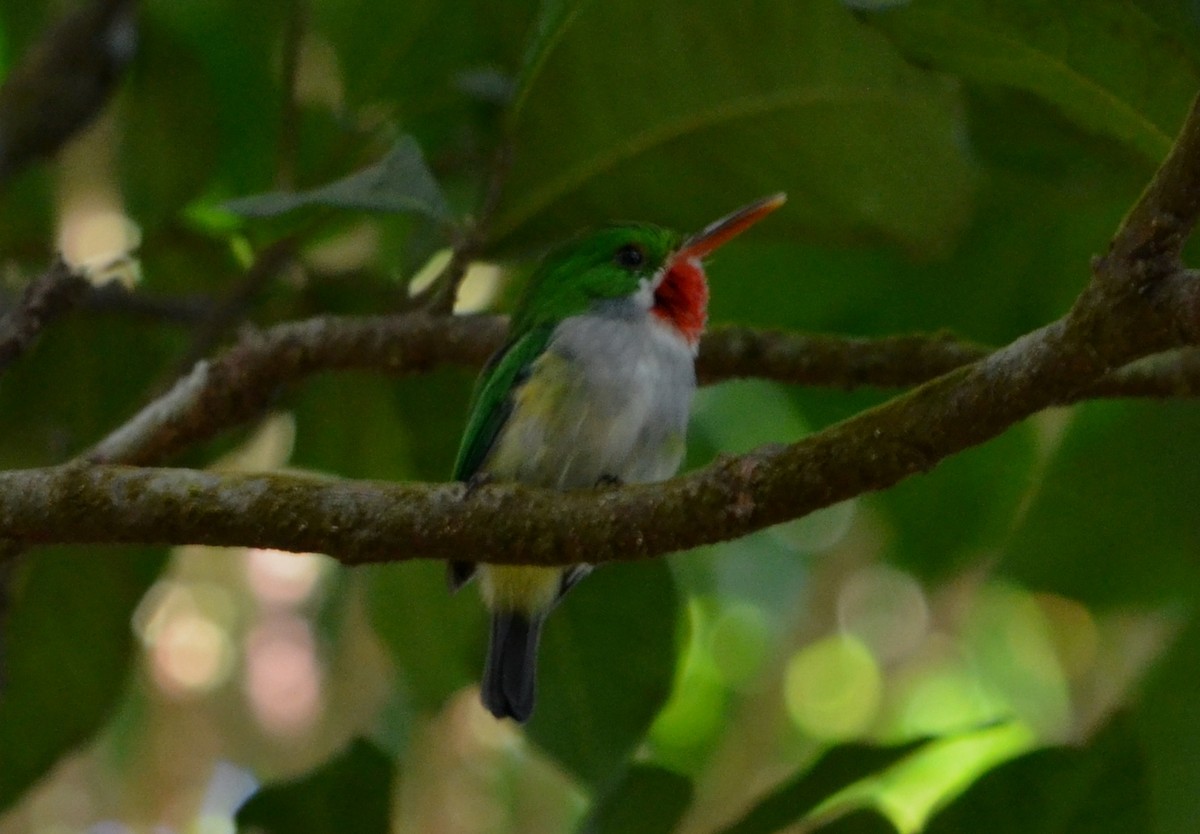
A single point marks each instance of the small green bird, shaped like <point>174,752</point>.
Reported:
<point>594,385</point>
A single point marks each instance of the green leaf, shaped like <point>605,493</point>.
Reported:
<point>1168,723</point>
<point>840,767</point>
<point>607,662</point>
<point>677,113</point>
<point>943,519</point>
<point>349,793</point>
<point>243,81</point>
<point>400,182</point>
<point>554,17</point>
<point>435,638</point>
<point>385,59</point>
<point>1109,67</point>
<point>68,648</point>
<point>1099,789</point>
<point>1113,522</point>
<point>647,800</point>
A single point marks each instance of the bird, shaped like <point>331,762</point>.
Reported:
<point>593,386</point>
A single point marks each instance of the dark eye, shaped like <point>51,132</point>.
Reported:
<point>630,256</point>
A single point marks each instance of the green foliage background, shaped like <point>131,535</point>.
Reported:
<point>950,165</point>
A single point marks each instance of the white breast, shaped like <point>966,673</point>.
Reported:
<point>609,398</point>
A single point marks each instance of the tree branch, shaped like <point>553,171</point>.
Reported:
<point>50,295</point>
<point>245,381</point>
<point>1140,303</point>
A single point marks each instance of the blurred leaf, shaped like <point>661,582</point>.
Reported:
<point>1113,70</point>
<point>1094,790</point>
<point>384,53</point>
<point>1050,198</point>
<point>607,662</point>
<point>1168,724</point>
<point>967,505</point>
<point>647,800</point>
<point>168,86</point>
<point>435,638</point>
<point>349,793</point>
<point>68,648</point>
<point>1113,522</point>
<point>238,46</point>
<point>621,104</point>
<point>109,364</point>
<point>840,767</point>
<point>553,19</point>
<point>400,182</point>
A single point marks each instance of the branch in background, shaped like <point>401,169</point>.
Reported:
<point>244,381</point>
<point>64,81</point>
<point>241,384</point>
<point>114,298</point>
<point>50,295</point>
<point>833,361</point>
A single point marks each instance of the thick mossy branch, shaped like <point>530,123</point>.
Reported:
<point>1141,307</point>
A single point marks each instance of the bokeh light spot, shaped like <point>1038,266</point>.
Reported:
<point>833,688</point>
<point>1074,633</point>
<point>283,675</point>
<point>283,579</point>
<point>886,609</point>
<point>191,655</point>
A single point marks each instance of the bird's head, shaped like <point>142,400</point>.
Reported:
<point>631,269</point>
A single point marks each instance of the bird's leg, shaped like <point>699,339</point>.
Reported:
<point>607,481</point>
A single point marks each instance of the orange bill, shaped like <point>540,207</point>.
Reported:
<point>728,227</point>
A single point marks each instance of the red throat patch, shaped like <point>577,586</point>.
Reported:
<point>681,299</point>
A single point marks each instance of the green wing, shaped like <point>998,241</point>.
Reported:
<point>492,401</point>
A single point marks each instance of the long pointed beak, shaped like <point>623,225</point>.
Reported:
<point>728,227</point>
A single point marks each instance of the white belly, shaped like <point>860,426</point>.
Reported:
<point>609,398</point>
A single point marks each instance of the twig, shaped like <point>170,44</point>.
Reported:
<point>49,296</point>
<point>114,299</point>
<point>234,307</point>
<point>242,382</point>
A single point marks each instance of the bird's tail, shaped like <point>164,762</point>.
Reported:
<point>510,675</point>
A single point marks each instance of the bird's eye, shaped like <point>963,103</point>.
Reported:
<point>630,256</point>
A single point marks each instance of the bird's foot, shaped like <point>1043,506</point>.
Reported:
<point>606,481</point>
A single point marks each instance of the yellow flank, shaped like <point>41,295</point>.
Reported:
<point>537,404</point>
<point>520,589</point>
<point>543,393</point>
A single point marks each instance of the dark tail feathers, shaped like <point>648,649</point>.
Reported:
<point>510,675</point>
